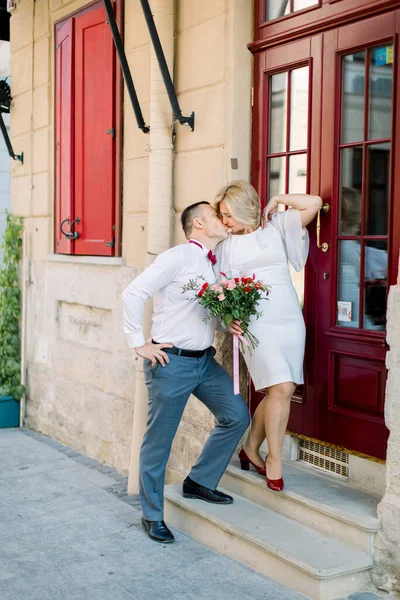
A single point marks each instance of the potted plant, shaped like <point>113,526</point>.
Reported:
<point>11,388</point>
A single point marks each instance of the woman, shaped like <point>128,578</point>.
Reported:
<point>276,365</point>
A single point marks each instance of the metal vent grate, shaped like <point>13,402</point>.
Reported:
<point>322,457</point>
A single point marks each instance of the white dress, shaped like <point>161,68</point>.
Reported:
<point>280,330</point>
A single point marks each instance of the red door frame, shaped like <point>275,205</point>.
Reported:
<point>119,15</point>
<point>313,422</point>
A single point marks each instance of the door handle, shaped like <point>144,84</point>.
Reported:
<point>71,235</point>
<point>325,209</point>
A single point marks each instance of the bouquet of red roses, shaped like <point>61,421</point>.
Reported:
<point>229,299</point>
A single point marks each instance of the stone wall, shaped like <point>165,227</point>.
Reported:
<point>80,373</point>
<point>387,554</point>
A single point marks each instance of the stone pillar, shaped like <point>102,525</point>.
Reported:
<point>386,574</point>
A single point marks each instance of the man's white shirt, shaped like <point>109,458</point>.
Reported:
<point>178,316</point>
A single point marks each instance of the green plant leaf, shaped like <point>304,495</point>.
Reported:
<point>10,314</point>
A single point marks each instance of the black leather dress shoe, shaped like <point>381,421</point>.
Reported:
<point>158,531</point>
<point>191,489</point>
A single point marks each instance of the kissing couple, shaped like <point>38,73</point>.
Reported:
<point>179,359</point>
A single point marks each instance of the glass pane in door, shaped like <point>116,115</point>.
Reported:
<point>349,283</point>
<point>378,189</point>
<point>298,174</point>
<point>277,9</point>
<point>375,285</point>
<point>380,92</point>
<point>278,113</point>
<point>276,176</point>
<point>299,108</point>
<point>350,196</point>
<point>353,87</point>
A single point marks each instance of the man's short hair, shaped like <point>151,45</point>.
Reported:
<point>188,215</point>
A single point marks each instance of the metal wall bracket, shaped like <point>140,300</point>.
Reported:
<point>125,67</point>
<point>5,103</point>
<point>169,86</point>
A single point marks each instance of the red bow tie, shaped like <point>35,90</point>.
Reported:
<point>210,255</point>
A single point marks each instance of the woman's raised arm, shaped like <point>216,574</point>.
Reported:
<point>307,205</point>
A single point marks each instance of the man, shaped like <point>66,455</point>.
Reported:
<point>179,361</point>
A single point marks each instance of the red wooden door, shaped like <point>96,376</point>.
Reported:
<point>94,134</point>
<point>349,119</point>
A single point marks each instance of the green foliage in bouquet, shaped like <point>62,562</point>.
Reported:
<point>10,310</point>
<point>236,298</point>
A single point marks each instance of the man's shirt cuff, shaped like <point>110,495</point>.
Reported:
<point>135,340</point>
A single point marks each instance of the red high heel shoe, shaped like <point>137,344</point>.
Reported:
<point>245,463</point>
<point>276,485</point>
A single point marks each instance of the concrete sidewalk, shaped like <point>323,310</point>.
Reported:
<point>69,531</point>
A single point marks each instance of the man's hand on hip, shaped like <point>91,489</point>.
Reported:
<point>154,353</point>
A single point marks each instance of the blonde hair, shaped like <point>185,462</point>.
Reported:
<point>243,202</point>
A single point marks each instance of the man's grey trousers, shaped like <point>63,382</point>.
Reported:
<point>169,389</point>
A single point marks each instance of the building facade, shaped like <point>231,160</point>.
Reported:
<point>294,95</point>
<point>5,201</point>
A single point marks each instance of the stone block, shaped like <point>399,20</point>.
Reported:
<point>21,27</point>
<point>134,239</point>
<point>139,64</point>
<point>207,174</point>
<point>209,106</point>
<point>21,193</point>
<point>136,143</point>
<point>136,185</point>
<point>41,205</point>
<point>196,11</point>
<point>179,236</point>
<point>201,55</point>
<point>41,58</point>
<point>136,33</point>
<point>91,285</point>
<point>21,69</point>
<point>41,107</point>
<point>41,20</point>
<point>367,475</point>
<point>40,231</point>
<point>393,315</point>
<point>393,468</point>
<point>40,151</point>
<point>23,144</point>
<point>21,115</point>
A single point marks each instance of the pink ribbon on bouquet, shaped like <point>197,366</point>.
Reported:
<point>236,388</point>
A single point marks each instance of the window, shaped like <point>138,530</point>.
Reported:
<point>279,8</point>
<point>364,190</point>
<point>288,132</point>
<point>85,135</point>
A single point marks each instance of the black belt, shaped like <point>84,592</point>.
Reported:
<point>183,352</point>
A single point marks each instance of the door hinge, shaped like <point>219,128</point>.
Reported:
<point>111,244</point>
<point>111,132</point>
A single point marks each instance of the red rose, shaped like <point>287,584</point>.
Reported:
<point>247,289</point>
<point>204,286</point>
<point>201,292</point>
<point>236,279</point>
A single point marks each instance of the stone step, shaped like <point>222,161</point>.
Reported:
<point>271,544</point>
<point>323,503</point>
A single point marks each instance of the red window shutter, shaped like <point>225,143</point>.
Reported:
<point>64,136</point>
<point>94,134</point>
